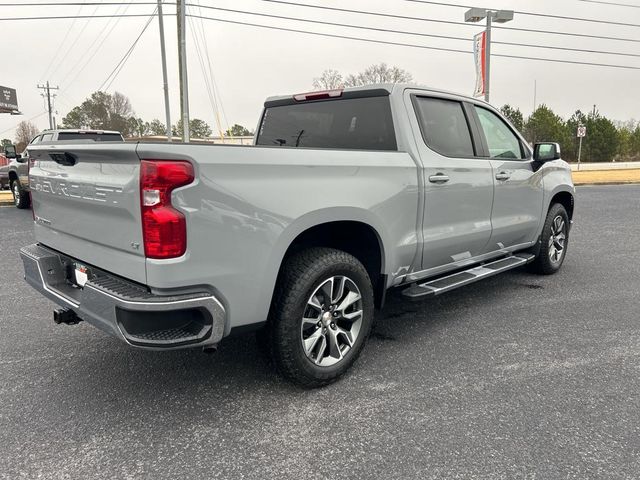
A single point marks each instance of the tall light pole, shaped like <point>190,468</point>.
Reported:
<point>163,54</point>
<point>182,68</point>
<point>474,15</point>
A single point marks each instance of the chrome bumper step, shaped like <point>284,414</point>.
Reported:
<point>441,285</point>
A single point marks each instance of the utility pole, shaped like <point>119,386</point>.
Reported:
<point>163,54</point>
<point>182,68</point>
<point>47,93</point>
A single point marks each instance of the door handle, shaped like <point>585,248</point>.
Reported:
<point>503,176</point>
<point>439,178</point>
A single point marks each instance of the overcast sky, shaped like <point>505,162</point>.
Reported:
<point>251,63</point>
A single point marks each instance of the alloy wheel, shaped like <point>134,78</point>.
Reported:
<point>557,239</point>
<point>331,321</point>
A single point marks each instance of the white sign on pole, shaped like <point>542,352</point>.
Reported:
<point>582,131</point>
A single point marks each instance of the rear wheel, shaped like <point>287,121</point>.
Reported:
<point>321,316</point>
<point>554,241</point>
<point>20,196</point>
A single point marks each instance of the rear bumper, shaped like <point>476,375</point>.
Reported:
<point>125,309</point>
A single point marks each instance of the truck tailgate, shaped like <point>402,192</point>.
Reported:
<point>86,201</point>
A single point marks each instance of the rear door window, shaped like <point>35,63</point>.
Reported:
<point>444,126</point>
<point>353,123</point>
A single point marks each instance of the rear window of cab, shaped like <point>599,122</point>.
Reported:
<point>363,123</point>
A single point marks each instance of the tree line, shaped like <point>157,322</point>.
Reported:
<point>606,140</point>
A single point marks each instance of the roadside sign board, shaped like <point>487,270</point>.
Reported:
<point>582,131</point>
<point>8,100</point>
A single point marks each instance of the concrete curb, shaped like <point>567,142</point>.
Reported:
<point>6,198</point>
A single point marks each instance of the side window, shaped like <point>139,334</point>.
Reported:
<point>47,137</point>
<point>444,126</point>
<point>502,142</point>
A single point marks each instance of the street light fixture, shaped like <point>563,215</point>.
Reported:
<point>474,15</point>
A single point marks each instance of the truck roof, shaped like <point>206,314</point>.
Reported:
<point>389,87</point>
<point>79,130</point>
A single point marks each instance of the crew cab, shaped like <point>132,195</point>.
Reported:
<point>344,195</point>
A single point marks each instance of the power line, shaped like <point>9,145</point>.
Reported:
<point>611,3</point>
<point>66,4</point>
<point>212,102</point>
<point>73,43</point>
<point>422,34</point>
<point>533,14</point>
<point>118,68</point>
<point>59,49</point>
<point>451,22</point>
<point>216,90</point>
<point>111,23</point>
<point>27,120</point>
<point>402,44</point>
<point>67,17</point>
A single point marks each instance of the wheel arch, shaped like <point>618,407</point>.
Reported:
<point>355,231</point>
<point>566,199</point>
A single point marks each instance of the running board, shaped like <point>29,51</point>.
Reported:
<point>460,279</point>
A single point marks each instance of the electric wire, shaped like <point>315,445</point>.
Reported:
<point>533,14</point>
<point>203,68</point>
<point>54,57</point>
<point>113,22</point>
<point>426,47</point>
<point>118,68</point>
<point>451,22</point>
<point>216,89</point>
<point>75,40</point>
<point>422,34</point>
<point>616,4</point>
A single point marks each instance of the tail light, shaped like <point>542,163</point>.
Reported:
<point>164,229</point>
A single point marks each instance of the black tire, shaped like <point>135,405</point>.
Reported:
<point>544,263</point>
<point>302,275</point>
<point>21,197</point>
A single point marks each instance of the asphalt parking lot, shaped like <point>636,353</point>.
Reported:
<point>516,377</point>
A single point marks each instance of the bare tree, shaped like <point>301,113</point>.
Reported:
<point>329,80</point>
<point>380,73</point>
<point>25,131</point>
<point>121,105</point>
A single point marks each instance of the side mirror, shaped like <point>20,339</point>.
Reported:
<point>23,158</point>
<point>10,151</point>
<point>545,152</point>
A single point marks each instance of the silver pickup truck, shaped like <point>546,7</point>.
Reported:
<point>345,194</point>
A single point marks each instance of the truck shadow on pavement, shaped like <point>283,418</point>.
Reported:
<point>108,370</point>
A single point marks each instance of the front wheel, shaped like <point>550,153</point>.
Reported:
<point>553,241</point>
<point>20,196</point>
<point>321,316</point>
